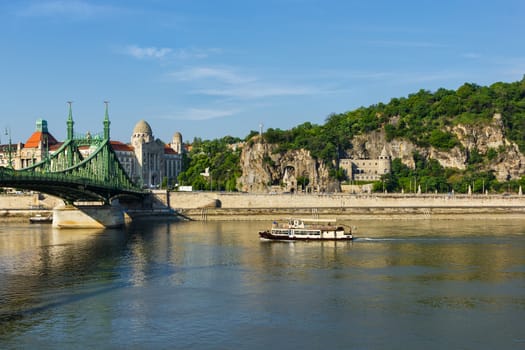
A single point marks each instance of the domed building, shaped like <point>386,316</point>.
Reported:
<point>154,160</point>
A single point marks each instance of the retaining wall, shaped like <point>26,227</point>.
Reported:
<point>194,200</point>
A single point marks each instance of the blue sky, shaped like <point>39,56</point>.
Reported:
<point>211,68</point>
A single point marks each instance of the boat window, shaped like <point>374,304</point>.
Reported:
<point>306,233</point>
<point>280,232</point>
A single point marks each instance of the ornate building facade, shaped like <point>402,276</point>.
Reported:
<point>147,161</point>
<point>154,160</point>
<point>36,148</point>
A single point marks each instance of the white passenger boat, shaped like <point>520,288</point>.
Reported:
<point>38,218</point>
<point>307,229</point>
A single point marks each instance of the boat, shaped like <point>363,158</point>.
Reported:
<point>38,218</point>
<point>295,229</point>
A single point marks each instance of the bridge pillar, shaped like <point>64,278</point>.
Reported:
<point>88,216</point>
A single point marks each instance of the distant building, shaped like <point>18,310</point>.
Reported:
<point>40,144</point>
<point>146,161</point>
<point>367,169</point>
<point>155,160</point>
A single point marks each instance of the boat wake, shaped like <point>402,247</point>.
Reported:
<point>400,239</point>
<point>370,239</point>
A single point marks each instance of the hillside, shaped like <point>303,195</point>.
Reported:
<point>444,140</point>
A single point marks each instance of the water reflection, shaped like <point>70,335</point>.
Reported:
<point>165,283</point>
<point>38,263</point>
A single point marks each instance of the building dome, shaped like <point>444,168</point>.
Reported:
<point>177,137</point>
<point>142,127</point>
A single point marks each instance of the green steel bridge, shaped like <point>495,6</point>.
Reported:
<point>68,175</point>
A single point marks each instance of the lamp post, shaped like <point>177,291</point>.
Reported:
<point>10,156</point>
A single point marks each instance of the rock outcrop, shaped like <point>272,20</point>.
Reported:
<point>507,163</point>
<point>265,170</point>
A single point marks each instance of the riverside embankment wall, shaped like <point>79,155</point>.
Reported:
<point>22,206</point>
<point>261,206</point>
<point>242,206</point>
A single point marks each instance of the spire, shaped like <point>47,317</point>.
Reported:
<point>70,122</point>
<point>384,153</point>
<point>106,122</point>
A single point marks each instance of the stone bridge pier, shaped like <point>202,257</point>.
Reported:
<point>88,216</point>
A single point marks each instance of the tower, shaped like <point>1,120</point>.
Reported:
<point>176,142</point>
<point>384,164</point>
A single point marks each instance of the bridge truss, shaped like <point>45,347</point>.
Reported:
<point>70,176</point>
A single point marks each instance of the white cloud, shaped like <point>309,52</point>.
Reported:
<point>147,52</point>
<point>405,44</point>
<point>201,114</point>
<point>166,52</point>
<point>224,75</point>
<point>259,91</point>
<point>227,82</point>
<point>195,53</point>
<point>68,9</point>
<point>471,55</point>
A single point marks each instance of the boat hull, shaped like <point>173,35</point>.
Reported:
<point>267,235</point>
<point>40,220</point>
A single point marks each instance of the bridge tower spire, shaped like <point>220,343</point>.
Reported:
<point>106,122</point>
<point>70,122</point>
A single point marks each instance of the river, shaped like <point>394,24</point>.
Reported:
<point>401,284</point>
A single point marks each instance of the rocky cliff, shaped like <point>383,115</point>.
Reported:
<point>263,168</point>
<point>507,162</point>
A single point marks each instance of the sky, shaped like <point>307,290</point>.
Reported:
<point>215,68</point>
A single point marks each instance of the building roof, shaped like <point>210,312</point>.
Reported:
<point>38,136</point>
<point>120,146</point>
<point>169,150</point>
<point>55,146</point>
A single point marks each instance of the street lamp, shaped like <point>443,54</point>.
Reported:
<point>10,159</point>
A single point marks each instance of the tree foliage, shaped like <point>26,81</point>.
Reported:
<point>221,159</point>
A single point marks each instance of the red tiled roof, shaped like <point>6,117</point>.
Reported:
<point>55,146</point>
<point>169,150</point>
<point>34,140</point>
<point>120,146</point>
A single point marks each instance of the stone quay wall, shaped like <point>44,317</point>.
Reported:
<point>24,205</point>
<point>263,206</point>
<point>243,206</point>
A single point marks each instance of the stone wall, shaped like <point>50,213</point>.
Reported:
<point>25,201</point>
<point>262,206</point>
<point>225,200</point>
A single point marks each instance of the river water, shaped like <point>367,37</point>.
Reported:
<point>402,284</point>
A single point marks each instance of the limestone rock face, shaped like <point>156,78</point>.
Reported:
<point>506,165</point>
<point>508,162</point>
<point>264,170</point>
